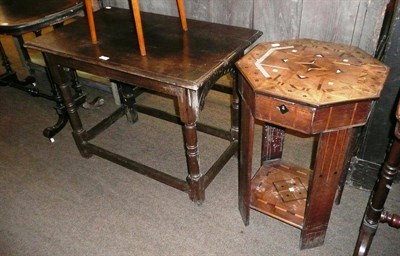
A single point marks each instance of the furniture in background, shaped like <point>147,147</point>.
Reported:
<point>315,88</point>
<point>184,66</point>
<point>375,211</point>
<point>20,17</point>
<point>137,20</point>
<point>375,138</point>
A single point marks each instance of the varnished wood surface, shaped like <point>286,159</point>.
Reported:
<point>313,72</point>
<point>20,16</point>
<point>311,120</point>
<point>174,57</point>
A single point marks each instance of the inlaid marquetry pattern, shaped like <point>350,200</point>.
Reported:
<point>280,190</point>
<point>313,72</point>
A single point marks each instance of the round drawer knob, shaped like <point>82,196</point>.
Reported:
<point>283,109</point>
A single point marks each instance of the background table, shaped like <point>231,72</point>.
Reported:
<point>184,65</point>
<point>20,17</point>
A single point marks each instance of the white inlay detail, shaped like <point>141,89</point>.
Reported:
<point>269,52</point>
<point>104,57</point>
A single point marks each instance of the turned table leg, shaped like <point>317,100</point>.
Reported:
<point>127,97</point>
<point>197,193</point>
<point>63,82</point>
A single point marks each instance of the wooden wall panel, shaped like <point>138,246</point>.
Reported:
<point>279,20</point>
<point>232,12</point>
<point>354,22</point>
<point>331,21</point>
<point>116,3</point>
<point>369,26</point>
<point>166,7</point>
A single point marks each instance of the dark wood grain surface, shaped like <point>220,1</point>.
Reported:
<point>173,56</point>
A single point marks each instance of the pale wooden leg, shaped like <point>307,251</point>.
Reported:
<point>329,162</point>
<point>182,15</point>
<point>138,24</point>
<point>89,14</point>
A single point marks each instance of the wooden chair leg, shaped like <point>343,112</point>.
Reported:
<point>374,212</point>
<point>182,15</point>
<point>89,14</point>
<point>138,24</point>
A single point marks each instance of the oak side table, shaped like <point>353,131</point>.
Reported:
<point>181,66</point>
<point>315,88</point>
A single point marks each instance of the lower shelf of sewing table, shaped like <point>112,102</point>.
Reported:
<point>279,190</point>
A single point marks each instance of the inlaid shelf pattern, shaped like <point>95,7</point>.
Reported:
<point>280,190</point>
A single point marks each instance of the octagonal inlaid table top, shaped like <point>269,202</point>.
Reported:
<point>313,72</point>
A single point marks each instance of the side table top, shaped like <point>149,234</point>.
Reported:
<point>21,16</point>
<point>185,59</point>
<point>313,72</point>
